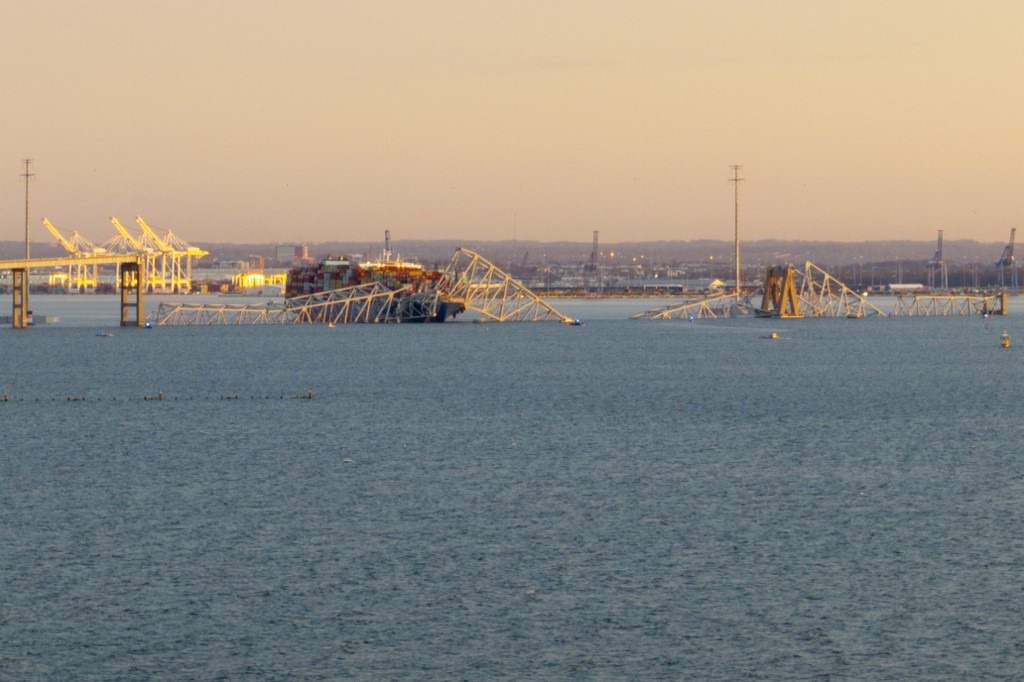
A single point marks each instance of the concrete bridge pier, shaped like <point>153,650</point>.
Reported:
<point>132,275</point>
<point>20,285</point>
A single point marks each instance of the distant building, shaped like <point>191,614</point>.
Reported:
<point>284,253</point>
<point>291,254</point>
<point>904,288</point>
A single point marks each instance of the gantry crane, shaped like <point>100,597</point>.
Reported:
<point>937,266</point>
<point>592,270</point>
<point>124,242</point>
<point>171,274</point>
<point>79,247</point>
<point>191,252</point>
<point>1007,261</point>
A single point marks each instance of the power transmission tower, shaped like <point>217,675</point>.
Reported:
<point>736,180</point>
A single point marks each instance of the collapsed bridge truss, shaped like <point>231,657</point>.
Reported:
<point>711,307</point>
<point>364,303</point>
<point>480,286</point>
<point>813,292</point>
<point>470,283</point>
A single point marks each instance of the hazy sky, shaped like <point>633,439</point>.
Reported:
<point>242,120</point>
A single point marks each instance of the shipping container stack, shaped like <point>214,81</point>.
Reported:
<point>339,273</point>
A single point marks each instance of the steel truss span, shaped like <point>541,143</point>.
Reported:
<point>481,287</point>
<point>190,314</point>
<point>469,283</point>
<point>812,292</point>
<point>714,307</point>
<point>909,306</point>
<point>364,303</point>
<point>822,295</point>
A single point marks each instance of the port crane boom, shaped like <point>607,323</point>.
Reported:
<point>171,272</point>
<point>60,238</point>
<point>124,242</point>
<point>79,247</point>
<point>938,272</point>
<point>192,252</point>
<point>1007,261</point>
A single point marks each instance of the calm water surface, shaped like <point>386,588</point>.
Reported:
<point>623,500</point>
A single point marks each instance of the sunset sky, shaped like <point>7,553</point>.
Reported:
<point>258,121</point>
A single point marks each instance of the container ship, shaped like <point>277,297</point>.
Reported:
<point>341,272</point>
<point>419,297</point>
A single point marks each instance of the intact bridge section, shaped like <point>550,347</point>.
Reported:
<point>131,272</point>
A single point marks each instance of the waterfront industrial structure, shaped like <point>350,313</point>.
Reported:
<point>938,272</point>
<point>470,283</point>
<point>592,282</point>
<point>168,259</point>
<point>84,271</point>
<point>1008,262</point>
<point>812,292</point>
<point>630,269</point>
<point>390,290</point>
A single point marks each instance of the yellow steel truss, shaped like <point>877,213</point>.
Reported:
<point>822,295</point>
<point>779,296</point>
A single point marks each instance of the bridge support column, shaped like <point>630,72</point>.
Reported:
<point>19,316</point>
<point>130,271</point>
<point>780,292</point>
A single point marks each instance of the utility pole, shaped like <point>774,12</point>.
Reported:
<point>28,175</point>
<point>25,314</point>
<point>736,180</point>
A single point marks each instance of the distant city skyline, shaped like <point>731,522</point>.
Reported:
<point>242,122</point>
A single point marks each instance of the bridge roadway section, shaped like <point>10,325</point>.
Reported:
<point>132,268</point>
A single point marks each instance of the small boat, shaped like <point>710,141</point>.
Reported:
<point>1004,338</point>
<point>773,335</point>
<point>103,333</point>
